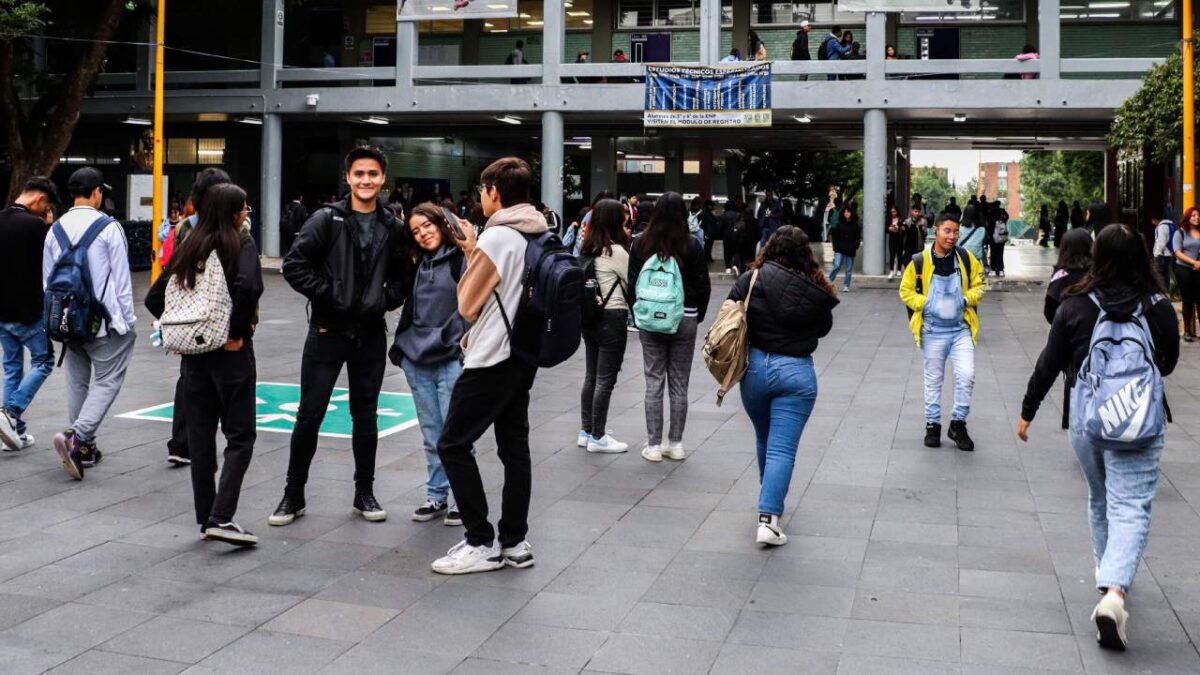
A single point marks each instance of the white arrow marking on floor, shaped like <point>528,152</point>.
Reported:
<point>276,417</point>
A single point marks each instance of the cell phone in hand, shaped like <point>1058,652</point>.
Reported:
<point>452,221</point>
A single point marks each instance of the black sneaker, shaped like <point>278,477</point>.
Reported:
<point>453,517</point>
<point>230,533</point>
<point>89,454</point>
<point>519,556</point>
<point>958,434</point>
<point>429,510</point>
<point>933,435</point>
<point>66,444</point>
<point>368,507</point>
<point>289,509</point>
<point>175,459</point>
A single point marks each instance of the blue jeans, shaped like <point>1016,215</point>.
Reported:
<point>778,393</point>
<point>1121,488</point>
<point>838,261</point>
<point>20,386</point>
<point>936,347</point>
<point>431,386</point>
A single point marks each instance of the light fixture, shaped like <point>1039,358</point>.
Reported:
<point>257,121</point>
<point>1104,15</point>
<point>1107,5</point>
<point>524,15</point>
<point>488,25</point>
<point>498,5</point>
<point>802,119</point>
<point>508,119</point>
<point>440,8</point>
<point>498,30</point>
<point>139,121</point>
<point>587,22</point>
<point>537,23</point>
<point>375,120</point>
<point>960,117</point>
<point>579,13</point>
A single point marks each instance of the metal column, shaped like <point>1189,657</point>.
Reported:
<point>710,31</point>
<point>270,192</point>
<point>406,55</point>
<point>271,49</point>
<point>874,190</point>
<point>1049,54</point>
<point>552,49</point>
<point>552,160</point>
<point>604,163</point>
<point>876,44</point>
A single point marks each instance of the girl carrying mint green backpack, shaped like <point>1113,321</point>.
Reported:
<point>659,293</point>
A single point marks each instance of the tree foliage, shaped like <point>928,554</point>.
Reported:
<point>933,185</point>
<point>1050,176</point>
<point>803,174</point>
<point>1152,119</point>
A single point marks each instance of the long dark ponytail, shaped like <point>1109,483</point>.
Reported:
<point>667,234</point>
<point>217,230</point>
<point>1119,257</point>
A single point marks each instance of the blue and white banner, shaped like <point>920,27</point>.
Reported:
<point>708,96</point>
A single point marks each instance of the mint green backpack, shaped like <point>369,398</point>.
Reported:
<point>659,292</point>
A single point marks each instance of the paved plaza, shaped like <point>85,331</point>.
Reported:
<point>902,559</point>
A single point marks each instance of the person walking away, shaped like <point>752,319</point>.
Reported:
<point>732,226</point>
<point>972,232</point>
<point>1186,242</point>
<point>1044,226</point>
<point>789,308</point>
<point>219,385</point>
<point>942,288</point>
<point>953,209</point>
<point>1164,247</point>
<point>23,228</point>
<point>346,262</point>
<point>96,363</point>
<point>605,254</point>
<point>695,225</point>
<point>1122,295</point>
<point>1074,259</point>
<point>999,241</point>
<point>669,292</point>
<point>846,240</point>
<point>1061,220</point>
<point>711,227</point>
<point>896,231</point>
<point>517,58</point>
<point>915,227</point>
<point>771,223</point>
<point>800,45</point>
<point>1077,217</point>
<point>427,343</point>
<point>290,222</point>
<point>493,390</point>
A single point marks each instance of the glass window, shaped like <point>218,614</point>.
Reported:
<point>1117,10</point>
<point>676,13</point>
<point>211,151</point>
<point>635,13</point>
<point>988,10</point>
<point>181,151</point>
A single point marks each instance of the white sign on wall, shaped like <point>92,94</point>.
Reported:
<point>451,10</point>
<point>139,191</point>
<point>939,6</point>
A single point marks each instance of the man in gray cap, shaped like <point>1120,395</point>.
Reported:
<point>96,362</point>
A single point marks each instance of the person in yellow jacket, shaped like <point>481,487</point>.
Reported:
<point>942,287</point>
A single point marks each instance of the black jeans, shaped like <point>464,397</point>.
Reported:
<point>1164,263</point>
<point>998,256</point>
<point>324,355</point>
<point>730,248</point>
<point>604,350</point>
<point>709,240</point>
<point>219,387</point>
<point>1188,280</point>
<point>896,252</point>
<point>177,445</point>
<point>496,396</point>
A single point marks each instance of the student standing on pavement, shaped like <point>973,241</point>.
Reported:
<point>790,307</point>
<point>23,227</point>
<point>96,368</point>
<point>915,227</point>
<point>667,356</point>
<point>606,248</point>
<point>1187,268</point>
<point>847,236</point>
<point>1121,484</point>
<point>1164,257</point>
<point>347,262</point>
<point>493,390</point>
<point>942,287</point>
<point>897,231</point>
<point>219,386</point>
<point>427,340</point>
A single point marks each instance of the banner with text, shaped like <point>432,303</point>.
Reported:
<point>708,96</point>
<point>919,6</point>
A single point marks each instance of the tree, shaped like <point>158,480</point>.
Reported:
<point>933,184</point>
<point>1152,119</point>
<point>803,174</point>
<point>37,135</point>
<point>1050,176</point>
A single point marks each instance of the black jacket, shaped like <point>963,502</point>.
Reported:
<point>800,47</point>
<point>1059,283</point>
<point>847,237</point>
<point>696,286</point>
<point>1071,334</point>
<point>787,312</point>
<point>22,236</point>
<point>244,277</point>
<point>324,266</point>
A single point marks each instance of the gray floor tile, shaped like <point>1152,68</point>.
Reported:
<point>1012,648</point>
<point>735,659</point>
<point>106,663</point>
<point>707,624</point>
<point>542,645</point>
<point>905,640</point>
<point>331,620</point>
<point>639,655</point>
<point>263,651</point>
<point>171,639</point>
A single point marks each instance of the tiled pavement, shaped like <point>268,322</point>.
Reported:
<point>902,559</point>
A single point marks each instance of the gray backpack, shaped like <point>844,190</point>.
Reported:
<point>1118,396</point>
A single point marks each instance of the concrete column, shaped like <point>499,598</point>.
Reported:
<point>270,189</point>
<point>271,51</point>
<point>874,190</point>
<point>710,31</point>
<point>741,26</point>
<point>604,166</point>
<point>552,44</point>
<point>876,44</point>
<point>406,54</point>
<point>706,171</point>
<point>602,30</point>
<point>472,31</point>
<point>1049,39</point>
<point>552,159</point>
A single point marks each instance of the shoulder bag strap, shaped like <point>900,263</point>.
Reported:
<point>727,384</point>
<point>503,314</point>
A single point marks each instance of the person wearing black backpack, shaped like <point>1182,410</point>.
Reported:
<point>1121,483</point>
<point>98,355</point>
<point>493,390</point>
<point>294,215</point>
<point>606,263</point>
<point>219,385</point>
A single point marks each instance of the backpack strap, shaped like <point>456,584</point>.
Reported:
<point>92,232</point>
<point>727,384</point>
<point>918,261</point>
<point>965,257</point>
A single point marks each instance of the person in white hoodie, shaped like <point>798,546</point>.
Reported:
<point>493,390</point>
<point>96,368</point>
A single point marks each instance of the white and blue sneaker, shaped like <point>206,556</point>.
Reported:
<point>464,558</point>
<point>8,432</point>
<point>606,445</point>
<point>583,439</point>
<point>519,556</point>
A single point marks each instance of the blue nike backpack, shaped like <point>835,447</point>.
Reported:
<point>71,310</point>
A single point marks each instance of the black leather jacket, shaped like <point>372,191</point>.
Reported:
<point>350,289</point>
<point>787,313</point>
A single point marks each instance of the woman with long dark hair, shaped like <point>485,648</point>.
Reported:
<point>1097,218</point>
<point>1121,484</point>
<point>676,261</point>
<point>897,230</point>
<point>1078,219</point>
<point>604,255</point>
<point>1061,220</point>
<point>219,386</point>
<point>1044,226</point>
<point>1074,258</point>
<point>790,308</point>
<point>1186,243</point>
<point>846,239</point>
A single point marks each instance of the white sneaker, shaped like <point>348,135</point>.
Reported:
<point>845,289</point>
<point>26,441</point>
<point>464,558</point>
<point>177,460</point>
<point>519,556</point>
<point>1110,618</point>
<point>583,439</point>
<point>891,275</point>
<point>728,270</point>
<point>675,451</point>
<point>8,432</point>
<point>606,445</point>
<point>652,453</point>
<point>769,531</point>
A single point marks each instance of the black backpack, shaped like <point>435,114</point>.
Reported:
<point>546,328</point>
<point>591,302</point>
<point>823,50</point>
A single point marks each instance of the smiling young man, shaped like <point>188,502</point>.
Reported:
<point>346,262</point>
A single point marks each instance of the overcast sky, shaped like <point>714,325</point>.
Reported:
<point>963,164</point>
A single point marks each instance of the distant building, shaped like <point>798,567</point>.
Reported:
<point>1002,180</point>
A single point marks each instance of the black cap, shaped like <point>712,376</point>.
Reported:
<point>87,179</point>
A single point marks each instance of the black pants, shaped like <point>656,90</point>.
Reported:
<point>177,445</point>
<point>496,396</point>
<point>286,239</point>
<point>896,252</point>
<point>1188,280</point>
<point>324,355</point>
<point>218,387</point>
<point>998,256</point>
<point>1164,263</point>
<point>604,351</point>
<point>730,248</point>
